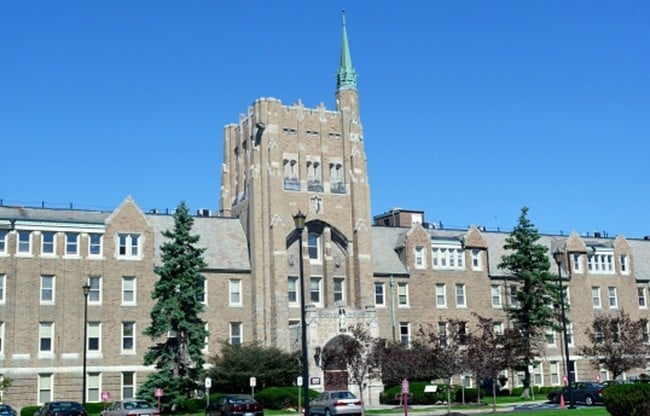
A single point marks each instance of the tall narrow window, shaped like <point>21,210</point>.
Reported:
<point>128,337</point>
<point>315,289</point>
<point>339,289</point>
<point>595,297</point>
<point>623,264</point>
<point>313,246</point>
<point>577,262</point>
<point>235,292</point>
<point>441,296</point>
<point>128,385</point>
<point>47,243</point>
<point>419,258</point>
<point>128,290</point>
<point>94,337</point>
<point>71,244</point>
<point>641,294</point>
<point>47,289</point>
<point>2,338</point>
<point>45,337</point>
<point>460,296</point>
<point>94,244</point>
<point>129,245</point>
<point>235,333</point>
<point>45,388</point>
<point>403,294</point>
<point>3,242</point>
<point>380,294</point>
<point>611,295</point>
<point>202,285</point>
<point>496,296</point>
<point>292,290</point>
<point>24,242</point>
<point>477,264</point>
<point>442,333</point>
<point>94,386</point>
<point>405,333</point>
<point>3,282</point>
<point>554,369</point>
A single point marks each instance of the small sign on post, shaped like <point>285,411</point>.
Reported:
<point>158,393</point>
<point>406,391</point>
<point>105,396</point>
<point>208,384</point>
<point>253,382</point>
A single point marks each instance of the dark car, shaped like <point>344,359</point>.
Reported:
<point>61,408</point>
<point>6,410</point>
<point>235,405</point>
<point>332,403</point>
<point>586,392</point>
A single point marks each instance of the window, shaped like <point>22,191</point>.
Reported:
<point>514,301</point>
<point>442,333</point>
<point>460,296</point>
<point>537,374</point>
<point>94,244</point>
<point>313,246</point>
<point>404,333</point>
<point>611,295</point>
<point>498,328</point>
<point>477,264</point>
<point>94,385</point>
<point>71,244</point>
<point>47,289</point>
<point>292,290</point>
<point>47,242</point>
<point>646,332</point>
<point>419,257</point>
<point>128,385</point>
<point>315,289</point>
<point>128,337</point>
<point>2,339</point>
<point>235,333</point>
<point>44,388</point>
<point>337,184</point>
<point>235,292</point>
<point>202,285</point>
<point>569,334</point>
<point>641,294</point>
<point>567,296</point>
<point>403,294</point>
<point>595,297</point>
<point>206,340</point>
<point>3,241</point>
<point>45,336</point>
<point>339,289</point>
<point>554,369</point>
<point>462,333</point>
<point>577,262</point>
<point>550,337</point>
<point>314,183</point>
<point>380,299</point>
<point>441,296</point>
<point>94,337</point>
<point>24,243</point>
<point>129,245</point>
<point>291,182</point>
<point>95,294</point>
<point>496,296</point>
<point>128,290</point>
<point>3,282</point>
<point>601,262</point>
<point>448,257</point>
<point>625,269</point>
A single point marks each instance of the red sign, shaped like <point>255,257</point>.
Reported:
<point>158,392</point>
<point>405,386</point>
<point>106,395</point>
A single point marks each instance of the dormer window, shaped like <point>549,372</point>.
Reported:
<point>601,261</point>
<point>447,255</point>
<point>129,245</point>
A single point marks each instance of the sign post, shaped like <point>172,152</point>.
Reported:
<point>253,382</point>
<point>299,384</point>
<point>158,393</point>
<point>208,384</point>
<point>405,395</point>
<point>105,396</point>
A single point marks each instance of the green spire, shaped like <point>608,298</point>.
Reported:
<point>346,77</point>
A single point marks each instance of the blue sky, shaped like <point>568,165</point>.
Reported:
<point>471,109</point>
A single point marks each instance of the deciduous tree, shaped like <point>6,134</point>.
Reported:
<point>176,326</point>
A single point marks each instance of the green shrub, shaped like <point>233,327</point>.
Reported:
<point>29,410</point>
<point>627,399</point>
<point>418,396</point>
<point>282,397</point>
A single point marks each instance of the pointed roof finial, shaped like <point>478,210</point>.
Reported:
<point>346,77</point>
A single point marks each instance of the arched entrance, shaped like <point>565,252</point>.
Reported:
<point>334,362</point>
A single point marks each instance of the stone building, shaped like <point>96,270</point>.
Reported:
<point>391,273</point>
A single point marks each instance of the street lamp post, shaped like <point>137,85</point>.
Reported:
<point>86,289</point>
<point>299,221</point>
<point>557,256</point>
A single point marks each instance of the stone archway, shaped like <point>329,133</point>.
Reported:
<point>334,363</point>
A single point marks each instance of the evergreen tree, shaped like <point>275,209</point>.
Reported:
<point>533,312</point>
<point>176,324</point>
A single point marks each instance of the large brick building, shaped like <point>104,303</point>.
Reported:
<point>391,273</point>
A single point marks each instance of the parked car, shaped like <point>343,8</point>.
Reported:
<point>130,408</point>
<point>585,392</point>
<point>235,405</point>
<point>608,383</point>
<point>61,408</point>
<point>331,403</point>
<point>6,410</point>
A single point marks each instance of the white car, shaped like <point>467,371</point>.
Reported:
<point>331,403</point>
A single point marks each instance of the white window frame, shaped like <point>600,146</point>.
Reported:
<point>71,248</point>
<point>2,339</point>
<point>124,386</point>
<point>612,297</point>
<point>3,288</point>
<point>405,333</point>
<point>129,246</point>
<point>642,295</point>
<point>94,332</point>
<point>441,295</point>
<point>403,295</point>
<point>3,241</point>
<point>237,335</point>
<point>45,332</point>
<point>235,292</point>
<point>129,288</point>
<point>316,290</point>
<point>128,332</point>
<point>293,291</point>
<point>554,372</point>
<point>380,294</point>
<point>206,340</point>
<point>45,388</point>
<point>24,248</point>
<point>93,386</point>
<point>202,296</point>
<point>461,295</point>
<point>624,263</point>
<point>48,289</point>
<point>314,250</point>
<point>596,299</point>
<point>495,295</point>
<point>601,262</point>
<point>48,244</point>
<point>419,260</point>
<point>477,261</point>
<point>95,292</point>
<point>338,289</point>
<point>448,256</point>
<point>551,339</point>
<point>99,245</point>
<point>577,262</point>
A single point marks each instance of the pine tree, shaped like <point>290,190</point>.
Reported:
<point>533,312</point>
<point>176,325</point>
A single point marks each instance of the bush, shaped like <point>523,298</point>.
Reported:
<point>627,399</point>
<point>282,397</point>
<point>418,396</point>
